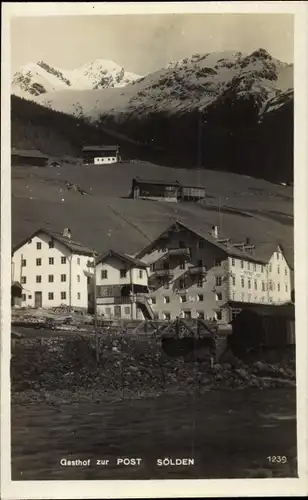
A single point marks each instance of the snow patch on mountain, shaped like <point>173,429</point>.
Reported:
<point>35,79</point>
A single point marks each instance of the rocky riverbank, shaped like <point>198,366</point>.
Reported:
<point>66,369</point>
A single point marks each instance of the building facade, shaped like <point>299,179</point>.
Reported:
<point>198,275</point>
<point>121,287</point>
<point>100,155</point>
<point>53,270</point>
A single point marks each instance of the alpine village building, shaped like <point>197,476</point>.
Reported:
<point>100,155</point>
<point>159,190</point>
<point>185,272</point>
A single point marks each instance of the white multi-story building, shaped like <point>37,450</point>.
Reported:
<point>53,270</point>
<point>122,286</point>
<point>200,274</point>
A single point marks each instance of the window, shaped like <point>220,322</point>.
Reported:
<point>286,288</point>
<point>141,274</point>
<point>263,286</point>
<point>278,269</point>
<point>154,300</point>
<point>200,297</point>
<point>63,260</point>
<point>23,297</point>
<point>285,271</point>
<point>78,278</point>
<point>78,295</point>
<point>51,244</point>
<point>217,262</point>
<point>218,280</point>
<point>242,297</point>
<point>108,311</point>
<point>181,244</point>
<point>23,280</point>
<point>50,278</point>
<point>63,295</point>
<point>200,244</point>
<point>38,262</point>
<point>187,314</point>
<point>182,266</point>
<point>126,310</point>
<point>166,265</point>
<point>104,274</point>
<point>233,280</point>
<point>242,264</point>
<point>270,268</point>
<point>277,253</point>
<point>78,261</point>
<point>200,314</point>
<point>200,263</point>
<point>181,284</point>
<point>166,300</point>
<point>248,266</point>
<point>199,283</point>
<point>63,277</point>
<point>249,283</point>
<point>233,262</point>
<point>23,262</point>
<point>242,282</point>
<point>218,315</point>
<point>255,267</point>
<point>166,315</point>
<point>218,296</point>
<point>262,269</point>
<point>249,297</point>
<point>270,285</point>
<point>29,296</point>
<point>278,287</point>
<point>88,280</point>
<point>39,279</point>
<point>123,273</point>
<point>256,285</point>
<point>183,298</point>
<point>50,296</point>
<point>39,245</point>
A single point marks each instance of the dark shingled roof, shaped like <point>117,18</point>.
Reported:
<point>72,245</point>
<point>137,180</point>
<point>29,153</point>
<point>268,310</point>
<point>124,257</point>
<point>228,249</point>
<point>89,149</point>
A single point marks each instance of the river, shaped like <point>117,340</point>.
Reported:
<point>228,434</point>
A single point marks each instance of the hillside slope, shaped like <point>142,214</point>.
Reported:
<point>241,206</point>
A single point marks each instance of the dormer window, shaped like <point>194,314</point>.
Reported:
<point>51,244</point>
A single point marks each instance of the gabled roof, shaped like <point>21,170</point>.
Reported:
<point>73,246</point>
<point>99,148</point>
<point>227,248</point>
<point>124,257</point>
<point>138,180</point>
<point>29,153</point>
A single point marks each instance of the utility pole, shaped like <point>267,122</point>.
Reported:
<point>93,266</point>
<point>199,139</point>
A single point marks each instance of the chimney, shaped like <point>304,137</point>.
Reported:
<point>215,231</point>
<point>67,233</point>
<point>247,241</point>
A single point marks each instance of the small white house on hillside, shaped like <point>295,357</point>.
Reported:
<point>53,270</point>
<point>100,155</point>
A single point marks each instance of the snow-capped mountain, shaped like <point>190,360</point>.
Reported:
<point>194,83</point>
<point>39,78</point>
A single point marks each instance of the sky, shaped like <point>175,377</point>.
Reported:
<point>145,43</point>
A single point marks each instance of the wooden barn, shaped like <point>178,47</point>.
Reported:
<point>260,328</point>
<point>155,189</point>
<point>161,190</point>
<point>100,155</point>
<point>30,157</point>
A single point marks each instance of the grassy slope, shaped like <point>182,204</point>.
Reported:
<point>107,219</point>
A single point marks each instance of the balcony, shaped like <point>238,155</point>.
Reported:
<point>163,273</point>
<point>197,270</point>
<point>179,252</point>
<point>113,300</point>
